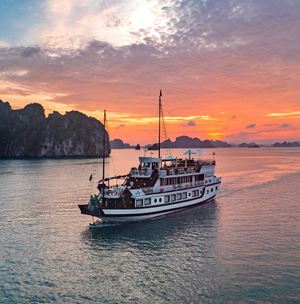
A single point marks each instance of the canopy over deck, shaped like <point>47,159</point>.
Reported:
<point>147,160</point>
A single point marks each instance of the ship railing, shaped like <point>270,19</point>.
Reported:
<point>178,171</point>
<point>207,162</point>
<point>181,171</point>
<point>113,192</point>
<point>188,185</point>
<point>150,190</point>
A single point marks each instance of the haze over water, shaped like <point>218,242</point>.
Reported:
<point>244,247</point>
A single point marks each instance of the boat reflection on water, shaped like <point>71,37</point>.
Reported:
<point>157,231</point>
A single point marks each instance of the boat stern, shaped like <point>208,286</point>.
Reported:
<point>84,209</point>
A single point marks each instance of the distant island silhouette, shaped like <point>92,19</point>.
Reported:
<point>194,142</point>
<point>119,144</point>
<point>28,133</point>
<point>190,142</point>
<point>287,144</point>
<point>248,145</point>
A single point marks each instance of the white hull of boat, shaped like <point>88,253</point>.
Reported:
<point>139,214</point>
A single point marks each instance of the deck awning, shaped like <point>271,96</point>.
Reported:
<point>144,159</point>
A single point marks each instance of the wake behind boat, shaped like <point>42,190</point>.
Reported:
<point>156,187</point>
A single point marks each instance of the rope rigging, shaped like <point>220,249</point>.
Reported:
<point>168,152</point>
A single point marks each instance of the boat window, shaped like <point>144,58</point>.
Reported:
<point>217,188</point>
<point>184,195</point>
<point>179,196</point>
<point>189,193</point>
<point>199,177</point>
<point>167,198</point>
<point>207,191</point>
<point>196,193</point>
<point>147,201</point>
<point>155,200</point>
<point>139,203</point>
<point>160,199</point>
<point>173,197</point>
<point>211,190</point>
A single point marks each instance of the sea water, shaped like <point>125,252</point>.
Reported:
<point>243,247</point>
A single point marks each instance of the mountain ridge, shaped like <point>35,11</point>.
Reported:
<point>28,133</point>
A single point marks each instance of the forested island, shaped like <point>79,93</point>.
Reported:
<point>28,133</point>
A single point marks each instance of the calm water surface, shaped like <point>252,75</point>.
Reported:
<point>244,247</point>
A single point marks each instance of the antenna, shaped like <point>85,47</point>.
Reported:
<point>159,115</point>
<point>103,156</point>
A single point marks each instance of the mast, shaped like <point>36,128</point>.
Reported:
<point>159,116</point>
<point>103,156</point>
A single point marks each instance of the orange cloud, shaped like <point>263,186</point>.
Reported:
<point>285,114</point>
<point>221,67</point>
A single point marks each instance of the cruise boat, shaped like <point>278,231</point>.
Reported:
<point>156,187</point>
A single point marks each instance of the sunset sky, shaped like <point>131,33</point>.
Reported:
<point>228,69</point>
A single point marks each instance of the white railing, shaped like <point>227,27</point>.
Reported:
<point>149,190</point>
<point>113,192</point>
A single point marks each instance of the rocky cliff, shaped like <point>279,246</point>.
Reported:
<point>28,133</point>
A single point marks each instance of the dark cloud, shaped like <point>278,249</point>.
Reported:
<point>208,48</point>
<point>190,123</point>
<point>257,134</point>
<point>251,126</point>
<point>30,51</point>
<point>279,126</point>
<point>285,126</point>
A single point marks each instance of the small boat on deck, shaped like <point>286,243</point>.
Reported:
<point>158,186</point>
